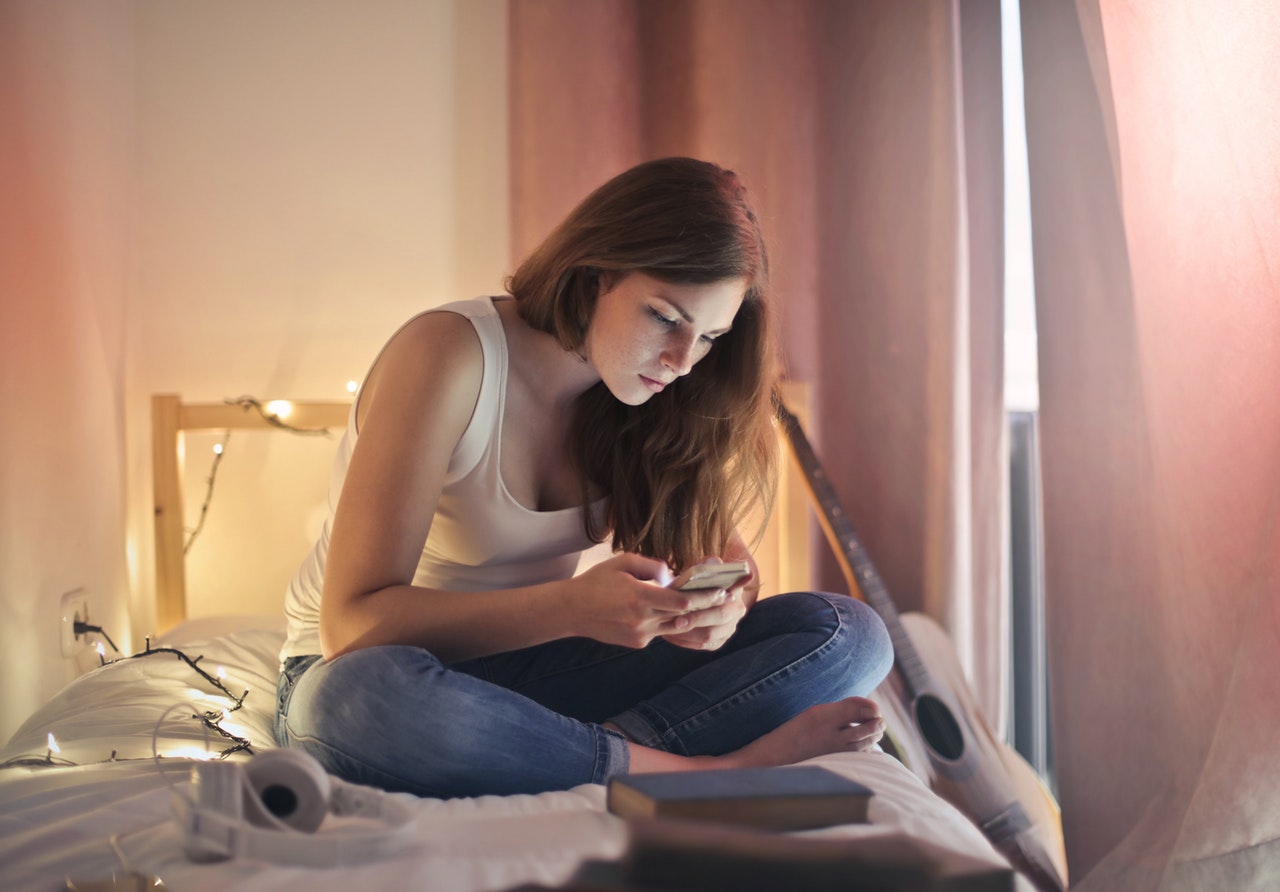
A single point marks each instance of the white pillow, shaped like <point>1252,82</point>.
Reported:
<point>116,707</point>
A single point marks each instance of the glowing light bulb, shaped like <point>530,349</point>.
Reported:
<point>102,651</point>
<point>279,408</point>
<point>53,744</point>
<point>221,673</point>
<point>352,386</point>
<point>217,449</point>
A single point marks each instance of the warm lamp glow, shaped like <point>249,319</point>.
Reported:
<point>53,744</point>
<point>190,752</point>
<point>352,386</point>
<point>279,408</point>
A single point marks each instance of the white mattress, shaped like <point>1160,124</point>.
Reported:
<point>58,822</point>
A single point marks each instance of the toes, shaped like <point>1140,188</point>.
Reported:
<point>865,735</point>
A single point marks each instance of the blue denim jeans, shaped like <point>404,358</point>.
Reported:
<point>529,720</point>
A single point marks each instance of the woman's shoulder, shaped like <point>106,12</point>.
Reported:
<point>434,339</point>
<point>461,325</point>
<point>434,359</point>
<point>472,308</point>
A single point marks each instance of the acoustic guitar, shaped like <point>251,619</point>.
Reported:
<point>933,717</point>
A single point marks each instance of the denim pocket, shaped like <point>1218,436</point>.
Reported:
<point>290,673</point>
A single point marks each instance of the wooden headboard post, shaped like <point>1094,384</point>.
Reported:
<point>795,537</point>
<point>166,480</point>
<point>783,555</point>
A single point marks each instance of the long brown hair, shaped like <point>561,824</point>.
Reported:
<point>684,469</point>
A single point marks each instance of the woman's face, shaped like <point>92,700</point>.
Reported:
<point>645,333</point>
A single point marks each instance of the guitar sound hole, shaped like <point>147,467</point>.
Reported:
<point>939,727</point>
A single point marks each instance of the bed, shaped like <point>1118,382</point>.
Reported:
<point>83,796</point>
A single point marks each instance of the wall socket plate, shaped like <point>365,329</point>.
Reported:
<point>74,607</point>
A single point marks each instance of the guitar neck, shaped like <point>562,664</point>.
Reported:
<point>856,564</point>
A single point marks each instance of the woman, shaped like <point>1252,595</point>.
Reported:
<point>439,641</point>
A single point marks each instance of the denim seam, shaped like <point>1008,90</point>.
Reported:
<point>637,728</point>
<point>612,755</point>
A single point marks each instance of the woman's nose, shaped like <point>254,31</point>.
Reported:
<point>678,357</point>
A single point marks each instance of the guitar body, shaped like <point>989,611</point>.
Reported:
<point>975,771</point>
<point>934,725</point>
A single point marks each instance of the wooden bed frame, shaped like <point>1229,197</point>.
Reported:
<point>783,555</point>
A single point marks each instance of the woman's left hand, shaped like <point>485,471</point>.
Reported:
<point>713,626</point>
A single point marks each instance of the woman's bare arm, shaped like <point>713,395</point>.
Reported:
<point>412,411</point>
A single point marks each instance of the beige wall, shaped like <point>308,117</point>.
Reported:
<point>216,199</point>
<point>67,203</point>
<point>312,175</point>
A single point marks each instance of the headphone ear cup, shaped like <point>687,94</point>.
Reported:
<point>286,789</point>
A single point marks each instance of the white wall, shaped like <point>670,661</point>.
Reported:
<point>215,199</point>
<point>67,206</point>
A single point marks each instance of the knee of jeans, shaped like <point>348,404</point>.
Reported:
<point>389,704</point>
<point>362,690</point>
<point>866,639</point>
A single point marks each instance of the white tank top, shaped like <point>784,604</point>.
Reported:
<point>481,538</point>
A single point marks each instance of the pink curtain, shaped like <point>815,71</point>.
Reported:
<point>869,134</point>
<point>1154,144</point>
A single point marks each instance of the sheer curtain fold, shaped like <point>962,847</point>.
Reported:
<point>1155,173</point>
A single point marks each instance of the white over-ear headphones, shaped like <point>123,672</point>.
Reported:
<point>271,807</point>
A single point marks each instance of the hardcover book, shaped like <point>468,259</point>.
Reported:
<point>786,798</point>
<point>690,856</point>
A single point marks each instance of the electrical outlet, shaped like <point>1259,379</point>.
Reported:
<point>75,608</point>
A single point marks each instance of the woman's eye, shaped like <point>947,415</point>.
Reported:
<point>663,320</point>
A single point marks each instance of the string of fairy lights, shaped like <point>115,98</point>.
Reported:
<point>211,719</point>
<point>274,413</point>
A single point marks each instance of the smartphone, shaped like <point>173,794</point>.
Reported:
<point>711,575</point>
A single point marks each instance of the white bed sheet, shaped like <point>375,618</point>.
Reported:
<point>58,822</point>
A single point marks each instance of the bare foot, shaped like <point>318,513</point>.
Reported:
<point>850,725</point>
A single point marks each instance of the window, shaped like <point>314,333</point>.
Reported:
<point>1029,691</point>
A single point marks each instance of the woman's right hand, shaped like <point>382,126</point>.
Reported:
<point>624,600</point>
